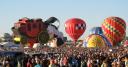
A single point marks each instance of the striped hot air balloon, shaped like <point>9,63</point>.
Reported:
<point>114,29</point>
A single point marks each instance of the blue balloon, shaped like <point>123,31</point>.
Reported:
<point>96,30</point>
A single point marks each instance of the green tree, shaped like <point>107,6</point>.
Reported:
<point>7,37</point>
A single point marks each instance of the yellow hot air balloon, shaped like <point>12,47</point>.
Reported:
<point>17,39</point>
<point>95,40</point>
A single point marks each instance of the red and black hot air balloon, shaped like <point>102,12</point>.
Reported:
<point>75,27</point>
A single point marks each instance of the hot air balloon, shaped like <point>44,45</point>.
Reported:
<point>114,29</point>
<point>96,30</point>
<point>75,27</point>
<point>32,31</point>
<point>95,40</point>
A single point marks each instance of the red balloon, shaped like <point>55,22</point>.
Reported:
<point>114,28</point>
<point>75,27</point>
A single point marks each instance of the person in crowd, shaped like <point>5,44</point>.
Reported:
<point>104,64</point>
<point>29,64</point>
<point>89,62</point>
<point>38,64</point>
<point>67,56</point>
<point>126,61</point>
<point>52,63</point>
<point>83,63</point>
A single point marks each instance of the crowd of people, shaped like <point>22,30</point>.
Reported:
<point>67,56</point>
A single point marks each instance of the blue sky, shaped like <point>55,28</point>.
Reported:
<point>93,12</point>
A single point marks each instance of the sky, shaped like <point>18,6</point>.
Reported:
<point>93,12</point>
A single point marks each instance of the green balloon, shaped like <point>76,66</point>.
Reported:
<point>43,37</point>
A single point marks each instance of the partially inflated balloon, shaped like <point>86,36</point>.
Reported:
<point>96,30</point>
<point>114,29</point>
<point>95,40</point>
<point>75,27</point>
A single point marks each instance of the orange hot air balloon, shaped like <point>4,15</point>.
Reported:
<point>114,28</point>
<point>75,27</point>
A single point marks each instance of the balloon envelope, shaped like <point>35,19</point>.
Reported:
<point>96,30</point>
<point>114,28</point>
<point>95,40</point>
<point>75,27</point>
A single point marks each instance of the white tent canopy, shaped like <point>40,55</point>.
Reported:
<point>12,45</point>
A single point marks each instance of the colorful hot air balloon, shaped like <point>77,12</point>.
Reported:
<point>75,27</point>
<point>114,29</point>
<point>95,40</point>
<point>96,30</point>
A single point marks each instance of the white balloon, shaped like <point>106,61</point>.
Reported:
<point>53,30</point>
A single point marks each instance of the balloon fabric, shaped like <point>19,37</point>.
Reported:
<point>75,27</point>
